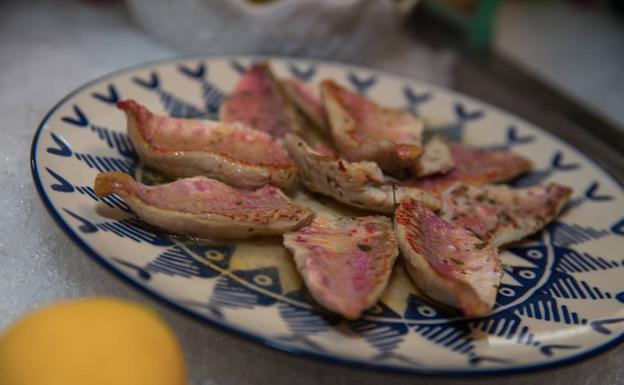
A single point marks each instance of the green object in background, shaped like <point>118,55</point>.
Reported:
<point>482,24</point>
<point>478,24</point>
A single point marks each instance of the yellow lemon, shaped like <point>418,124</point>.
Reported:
<point>95,341</point>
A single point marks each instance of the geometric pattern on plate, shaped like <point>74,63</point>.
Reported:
<point>560,298</point>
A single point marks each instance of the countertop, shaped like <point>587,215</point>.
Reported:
<point>567,54</point>
<point>48,49</point>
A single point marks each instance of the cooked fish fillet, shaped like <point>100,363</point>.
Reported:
<point>205,207</point>
<point>345,262</point>
<point>362,130</point>
<point>476,167</point>
<point>435,159</point>
<point>500,214</point>
<point>259,101</point>
<point>359,184</point>
<point>308,101</point>
<point>232,153</point>
<point>447,263</point>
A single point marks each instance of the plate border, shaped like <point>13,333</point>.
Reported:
<point>267,341</point>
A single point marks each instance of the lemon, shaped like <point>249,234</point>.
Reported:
<point>95,341</point>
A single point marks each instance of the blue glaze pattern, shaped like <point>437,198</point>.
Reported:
<point>567,276</point>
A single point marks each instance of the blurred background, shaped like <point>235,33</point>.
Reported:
<point>566,54</point>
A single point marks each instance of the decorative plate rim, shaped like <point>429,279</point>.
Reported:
<point>269,342</point>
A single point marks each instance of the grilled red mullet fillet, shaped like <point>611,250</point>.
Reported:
<point>476,167</point>
<point>308,101</point>
<point>435,159</point>
<point>259,101</point>
<point>362,130</point>
<point>207,208</point>
<point>500,214</point>
<point>359,184</point>
<point>447,263</point>
<point>232,153</point>
<point>345,262</point>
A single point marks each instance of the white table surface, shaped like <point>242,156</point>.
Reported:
<point>48,49</point>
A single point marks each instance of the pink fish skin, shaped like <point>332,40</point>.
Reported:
<point>362,130</point>
<point>476,167</point>
<point>345,262</point>
<point>500,214</point>
<point>205,207</point>
<point>233,153</point>
<point>309,102</point>
<point>447,263</point>
<point>259,101</point>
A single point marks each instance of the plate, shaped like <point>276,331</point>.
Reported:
<point>561,297</point>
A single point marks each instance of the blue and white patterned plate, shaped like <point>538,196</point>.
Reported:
<point>562,293</point>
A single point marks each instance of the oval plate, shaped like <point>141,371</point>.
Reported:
<point>561,298</point>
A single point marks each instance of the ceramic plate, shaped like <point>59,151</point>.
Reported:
<point>562,293</point>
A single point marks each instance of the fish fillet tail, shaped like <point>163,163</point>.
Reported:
<point>134,110</point>
<point>468,300</point>
<point>111,182</point>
